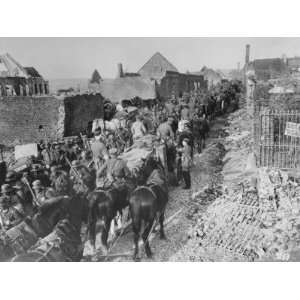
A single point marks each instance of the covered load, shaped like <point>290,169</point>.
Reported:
<point>142,149</point>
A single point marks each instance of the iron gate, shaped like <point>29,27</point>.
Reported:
<point>275,145</point>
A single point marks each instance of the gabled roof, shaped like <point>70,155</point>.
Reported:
<point>156,67</point>
<point>9,67</point>
<point>123,88</point>
<point>96,77</point>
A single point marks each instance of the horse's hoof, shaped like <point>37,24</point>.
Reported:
<point>136,258</point>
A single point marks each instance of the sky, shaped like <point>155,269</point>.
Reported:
<point>79,57</point>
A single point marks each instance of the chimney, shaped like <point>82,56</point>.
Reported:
<point>247,59</point>
<point>284,59</point>
<point>120,71</point>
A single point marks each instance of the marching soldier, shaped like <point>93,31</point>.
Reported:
<point>165,131</point>
<point>83,180</point>
<point>116,171</point>
<point>41,192</point>
<point>11,209</point>
<point>99,149</point>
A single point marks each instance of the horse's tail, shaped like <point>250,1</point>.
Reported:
<point>142,206</point>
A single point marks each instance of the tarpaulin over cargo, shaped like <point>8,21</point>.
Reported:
<point>134,157</point>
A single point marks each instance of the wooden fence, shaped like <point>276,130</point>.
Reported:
<point>277,138</point>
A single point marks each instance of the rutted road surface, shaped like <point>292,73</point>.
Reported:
<point>181,207</point>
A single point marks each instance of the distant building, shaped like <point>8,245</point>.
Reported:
<point>169,81</point>
<point>125,87</point>
<point>16,80</point>
<point>157,78</point>
<point>211,76</point>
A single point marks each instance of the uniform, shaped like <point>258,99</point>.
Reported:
<point>165,131</point>
<point>138,130</point>
<point>86,181</point>
<point>11,209</point>
<point>185,113</point>
<point>116,172</point>
<point>99,151</point>
<point>186,163</point>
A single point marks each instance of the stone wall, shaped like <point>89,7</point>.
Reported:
<point>178,83</point>
<point>80,111</point>
<point>27,119</point>
<point>30,119</point>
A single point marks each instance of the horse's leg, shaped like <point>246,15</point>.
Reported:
<point>136,225</point>
<point>161,224</point>
<point>145,237</point>
<point>104,235</point>
<point>91,228</point>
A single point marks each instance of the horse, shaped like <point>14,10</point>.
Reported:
<point>147,204</point>
<point>62,244</point>
<point>104,205</point>
<point>21,237</point>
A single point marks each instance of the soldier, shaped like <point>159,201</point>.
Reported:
<point>83,180</point>
<point>185,112</point>
<point>21,188</point>
<point>11,210</point>
<point>99,149</point>
<point>41,192</point>
<point>164,130</point>
<point>116,171</point>
<point>38,173</point>
<point>87,159</point>
<point>138,128</point>
<point>186,162</point>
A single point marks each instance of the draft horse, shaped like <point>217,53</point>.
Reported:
<point>147,204</point>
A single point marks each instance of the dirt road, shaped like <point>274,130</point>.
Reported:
<point>180,204</point>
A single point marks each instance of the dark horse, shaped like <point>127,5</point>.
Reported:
<point>147,204</point>
<point>21,237</point>
<point>104,206</point>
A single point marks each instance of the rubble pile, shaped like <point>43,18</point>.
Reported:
<point>239,161</point>
<point>252,223</point>
<point>210,162</point>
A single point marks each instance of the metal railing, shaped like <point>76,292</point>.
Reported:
<point>274,144</point>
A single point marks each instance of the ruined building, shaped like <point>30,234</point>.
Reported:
<point>29,114</point>
<point>157,78</point>
<point>16,80</point>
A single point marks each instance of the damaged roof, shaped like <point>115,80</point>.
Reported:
<point>32,72</point>
<point>123,88</point>
<point>156,67</point>
<point>9,67</point>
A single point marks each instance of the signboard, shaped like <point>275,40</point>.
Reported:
<point>292,129</point>
<point>26,151</point>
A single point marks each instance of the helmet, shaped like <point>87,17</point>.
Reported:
<point>6,188</point>
<point>11,176</point>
